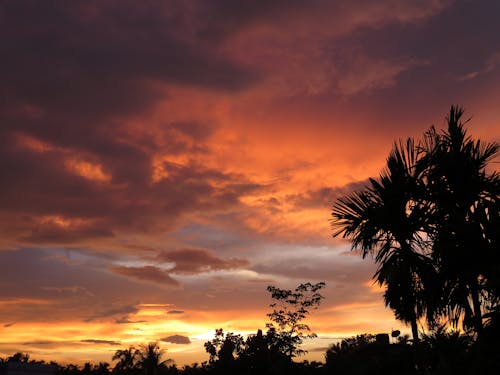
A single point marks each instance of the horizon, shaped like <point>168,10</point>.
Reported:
<point>163,162</point>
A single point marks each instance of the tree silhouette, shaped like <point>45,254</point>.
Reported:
<point>431,220</point>
<point>256,354</point>
<point>127,361</point>
<point>465,217</point>
<point>150,359</point>
<point>286,331</point>
<point>385,220</point>
<point>19,358</point>
<point>223,347</point>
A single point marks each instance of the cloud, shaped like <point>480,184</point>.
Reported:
<point>224,18</point>
<point>323,196</point>
<point>125,320</point>
<point>98,341</point>
<point>47,343</point>
<point>77,119</point>
<point>302,46</point>
<point>146,273</point>
<point>68,209</point>
<point>117,59</point>
<point>41,283</point>
<point>57,229</point>
<point>177,339</point>
<point>113,311</point>
<point>346,277</point>
<point>491,63</point>
<point>192,261</point>
<point>366,74</point>
<point>174,312</point>
<point>73,141</point>
<point>69,289</point>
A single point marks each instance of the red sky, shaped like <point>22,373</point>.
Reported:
<point>162,162</point>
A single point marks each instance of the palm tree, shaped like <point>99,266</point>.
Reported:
<point>127,360</point>
<point>385,220</point>
<point>432,221</point>
<point>465,216</point>
<point>150,359</point>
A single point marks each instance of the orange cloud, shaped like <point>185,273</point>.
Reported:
<point>34,143</point>
<point>85,169</point>
<point>60,229</point>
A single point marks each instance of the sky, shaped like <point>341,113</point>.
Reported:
<point>162,162</point>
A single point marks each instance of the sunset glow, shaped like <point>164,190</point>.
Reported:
<point>164,161</point>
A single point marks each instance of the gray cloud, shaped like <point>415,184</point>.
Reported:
<point>146,273</point>
<point>113,311</point>
<point>177,339</point>
<point>323,197</point>
<point>192,261</point>
<point>125,320</point>
<point>98,341</point>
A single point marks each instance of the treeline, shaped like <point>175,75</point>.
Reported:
<point>277,350</point>
<point>438,353</point>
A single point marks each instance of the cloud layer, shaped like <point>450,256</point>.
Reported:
<point>163,161</point>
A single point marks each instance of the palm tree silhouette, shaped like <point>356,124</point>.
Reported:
<point>431,220</point>
<point>465,216</point>
<point>385,220</point>
<point>150,359</point>
<point>127,360</point>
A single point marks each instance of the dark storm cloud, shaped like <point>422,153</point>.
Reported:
<point>177,339</point>
<point>192,261</point>
<point>71,73</point>
<point>98,55</point>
